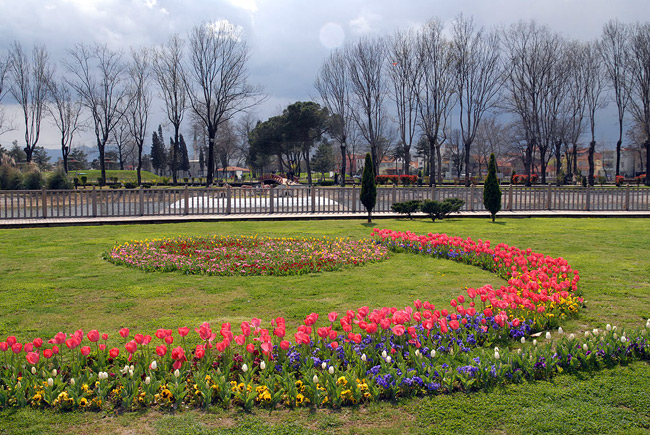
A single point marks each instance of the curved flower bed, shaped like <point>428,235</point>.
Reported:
<point>539,288</point>
<point>245,255</point>
<point>339,359</point>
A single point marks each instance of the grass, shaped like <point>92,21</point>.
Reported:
<point>55,279</point>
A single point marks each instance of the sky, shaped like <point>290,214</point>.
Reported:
<point>288,39</point>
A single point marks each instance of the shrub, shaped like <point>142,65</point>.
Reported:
<point>326,183</point>
<point>406,207</point>
<point>100,181</point>
<point>435,209</point>
<point>33,180</point>
<point>10,178</point>
<point>59,181</point>
<point>368,188</point>
<point>84,180</point>
<point>455,203</point>
<point>130,184</point>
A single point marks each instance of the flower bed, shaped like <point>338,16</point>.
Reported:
<point>340,359</point>
<point>245,255</point>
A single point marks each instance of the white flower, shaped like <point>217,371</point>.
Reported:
<point>18,385</point>
<point>315,379</point>
<point>496,348</point>
<point>364,358</point>
<point>262,365</point>
<point>384,354</point>
<point>177,373</point>
<point>572,336</point>
<point>614,328</point>
<point>154,365</point>
<point>244,368</point>
<point>519,351</point>
<point>54,372</point>
<point>130,373</point>
<point>331,370</point>
<point>496,354</point>
<point>523,340</point>
<point>615,336</point>
<point>125,370</point>
<point>417,353</point>
<point>132,367</point>
<point>72,381</point>
<point>389,359</point>
<point>595,331</point>
<point>548,335</point>
<point>50,382</point>
<point>433,353</point>
<point>534,342</point>
<point>147,380</point>
<point>560,330</point>
<point>608,327</point>
<point>585,347</point>
<point>33,370</point>
<point>323,365</point>
<point>623,339</point>
<point>586,334</point>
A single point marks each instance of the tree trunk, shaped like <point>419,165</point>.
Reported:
<point>439,154</point>
<point>558,162</point>
<point>528,158</point>
<point>343,163</point>
<point>647,162</point>
<point>102,163</point>
<point>619,142</point>
<point>64,155</point>
<point>590,158</point>
<point>432,161</point>
<point>542,159</point>
<point>467,182</point>
<point>139,163</point>
<point>210,175</point>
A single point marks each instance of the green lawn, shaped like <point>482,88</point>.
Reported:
<point>54,279</point>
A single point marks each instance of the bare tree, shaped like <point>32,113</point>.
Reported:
<point>30,78</point>
<point>534,53</point>
<point>217,79</point>
<point>574,105</point>
<point>65,111</point>
<point>436,91</point>
<point>333,86</point>
<point>123,141</point>
<point>491,136</point>
<point>4,66</point>
<point>614,48</point>
<point>99,80</point>
<point>366,62</point>
<point>594,84</point>
<point>140,98</point>
<point>405,75</point>
<point>639,73</point>
<point>226,144</point>
<point>479,77</point>
<point>168,69</point>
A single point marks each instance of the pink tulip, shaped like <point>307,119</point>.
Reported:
<point>131,346</point>
<point>93,336</point>
<point>17,347</point>
<point>183,331</point>
<point>38,342</point>
<point>32,358</point>
<point>124,332</point>
<point>85,350</point>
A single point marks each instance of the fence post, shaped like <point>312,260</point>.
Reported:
<point>44,202</point>
<point>471,198</point>
<point>93,197</point>
<point>626,205</point>
<point>588,200</point>
<point>394,194</point>
<point>141,195</point>
<point>312,191</point>
<point>354,198</point>
<point>186,201</point>
<point>510,198</point>
<point>433,192</point>
<point>271,200</point>
<point>228,199</point>
<point>548,196</point>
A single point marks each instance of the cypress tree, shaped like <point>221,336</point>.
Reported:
<point>368,187</point>
<point>491,189</point>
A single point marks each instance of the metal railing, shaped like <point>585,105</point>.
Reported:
<point>26,204</point>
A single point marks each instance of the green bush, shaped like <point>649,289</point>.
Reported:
<point>441,209</point>
<point>492,190</point>
<point>406,207</point>
<point>368,195</point>
<point>100,181</point>
<point>130,184</point>
<point>10,178</point>
<point>455,203</point>
<point>59,181</point>
<point>33,181</point>
<point>326,183</point>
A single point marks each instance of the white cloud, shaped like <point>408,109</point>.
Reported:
<point>364,23</point>
<point>248,5</point>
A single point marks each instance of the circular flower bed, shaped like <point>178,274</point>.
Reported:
<point>339,359</point>
<point>246,255</point>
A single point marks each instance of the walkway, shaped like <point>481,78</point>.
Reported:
<point>57,222</point>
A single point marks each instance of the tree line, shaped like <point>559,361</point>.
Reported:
<point>406,94</point>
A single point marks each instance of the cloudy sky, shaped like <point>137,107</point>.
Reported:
<point>288,38</point>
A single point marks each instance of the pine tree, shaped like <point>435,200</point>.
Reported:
<point>158,157</point>
<point>491,189</point>
<point>368,187</point>
<point>184,157</point>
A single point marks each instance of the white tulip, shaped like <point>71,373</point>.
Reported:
<point>154,365</point>
<point>614,328</point>
<point>244,368</point>
<point>72,381</point>
<point>331,370</point>
<point>130,373</point>
<point>364,358</point>
<point>50,382</point>
<point>548,335</point>
<point>496,348</point>
<point>623,339</point>
<point>417,353</point>
<point>54,372</point>
<point>315,379</point>
<point>132,367</point>
<point>323,365</point>
<point>33,370</point>
<point>389,359</point>
<point>433,353</point>
<point>585,347</point>
<point>615,336</point>
<point>519,351</point>
<point>147,380</point>
<point>262,365</point>
<point>572,336</point>
<point>177,373</point>
<point>595,331</point>
<point>18,385</point>
<point>496,355</point>
<point>534,342</point>
<point>523,340</point>
<point>586,334</point>
<point>608,327</point>
<point>560,330</point>
<point>384,354</point>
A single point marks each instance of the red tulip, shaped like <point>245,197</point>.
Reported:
<point>55,350</point>
<point>398,330</point>
<point>334,344</point>
<point>131,346</point>
<point>11,340</point>
<point>169,339</point>
<point>124,332</point>
<point>85,350</point>
<point>267,347</point>
<point>47,353</point>
<point>332,316</point>
<point>284,345</point>
<point>183,331</point>
<point>454,324</point>
<point>93,335</point>
<point>178,353</point>
<point>200,351</point>
<point>38,342</point>
<point>113,353</point>
<point>32,358</point>
<point>102,346</point>
<point>104,336</point>
<point>17,347</point>
<point>4,346</point>
<point>139,338</point>
<point>161,350</point>
<point>28,347</point>
<point>240,339</point>
<point>250,348</point>
<point>146,340</point>
<point>245,329</point>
